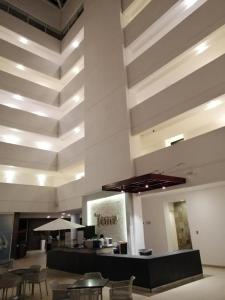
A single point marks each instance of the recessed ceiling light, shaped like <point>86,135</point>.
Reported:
<point>76,70</point>
<point>163,187</point>
<point>9,176</point>
<point>68,215</point>
<point>77,130</point>
<point>146,186</point>
<point>39,113</point>
<point>79,175</point>
<point>75,44</point>
<point>10,138</point>
<point>63,213</point>
<point>201,48</point>
<point>41,179</point>
<point>188,3</point>
<point>44,145</point>
<point>23,40</point>
<point>212,104</point>
<point>20,67</point>
<point>48,217</point>
<point>18,97</point>
<point>76,99</point>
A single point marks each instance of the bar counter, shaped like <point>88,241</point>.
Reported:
<point>150,271</point>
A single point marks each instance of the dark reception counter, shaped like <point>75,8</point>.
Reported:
<point>150,271</point>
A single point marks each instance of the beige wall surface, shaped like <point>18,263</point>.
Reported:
<point>154,10</point>
<point>20,119</point>
<point>205,20</point>
<point>72,119</point>
<point>68,11</point>
<point>26,198</point>
<point>26,157</point>
<point>30,32</point>
<point>28,89</point>
<point>205,209</point>
<point>200,160</point>
<point>197,88</point>
<point>106,113</point>
<point>28,59</point>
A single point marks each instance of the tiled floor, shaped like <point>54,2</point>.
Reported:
<point>211,287</point>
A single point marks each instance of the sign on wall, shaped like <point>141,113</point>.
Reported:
<point>109,217</point>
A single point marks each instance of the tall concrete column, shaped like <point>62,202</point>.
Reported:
<point>107,124</point>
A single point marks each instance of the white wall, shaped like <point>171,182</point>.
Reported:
<point>137,228</point>
<point>205,208</point>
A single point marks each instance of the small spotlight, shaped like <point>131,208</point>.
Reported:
<point>77,129</point>
<point>76,99</point>
<point>75,44</point>
<point>76,70</point>
<point>23,40</point>
<point>163,187</point>
<point>48,217</point>
<point>18,97</point>
<point>201,48</point>
<point>146,186</point>
<point>20,67</point>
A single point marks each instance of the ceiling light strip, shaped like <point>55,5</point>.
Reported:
<point>38,141</point>
<point>174,16</point>
<point>132,11</point>
<point>212,47</point>
<point>39,78</point>
<point>29,176</point>
<point>33,106</point>
<point>37,49</point>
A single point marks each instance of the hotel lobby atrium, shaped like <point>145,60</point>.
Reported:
<point>112,149</point>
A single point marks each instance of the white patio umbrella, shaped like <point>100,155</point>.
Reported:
<point>58,224</point>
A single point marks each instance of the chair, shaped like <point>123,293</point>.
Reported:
<point>121,290</point>
<point>9,281</point>
<point>84,294</point>
<point>93,275</point>
<point>37,278</point>
<point>26,276</point>
<point>59,291</point>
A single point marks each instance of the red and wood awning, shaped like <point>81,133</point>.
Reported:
<point>144,183</point>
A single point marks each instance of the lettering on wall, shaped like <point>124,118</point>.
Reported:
<point>106,220</point>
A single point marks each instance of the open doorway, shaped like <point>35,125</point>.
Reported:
<point>179,233</point>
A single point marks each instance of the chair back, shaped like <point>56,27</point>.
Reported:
<point>93,275</point>
<point>43,274</point>
<point>35,268</point>
<point>84,294</point>
<point>131,281</point>
<point>9,281</point>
